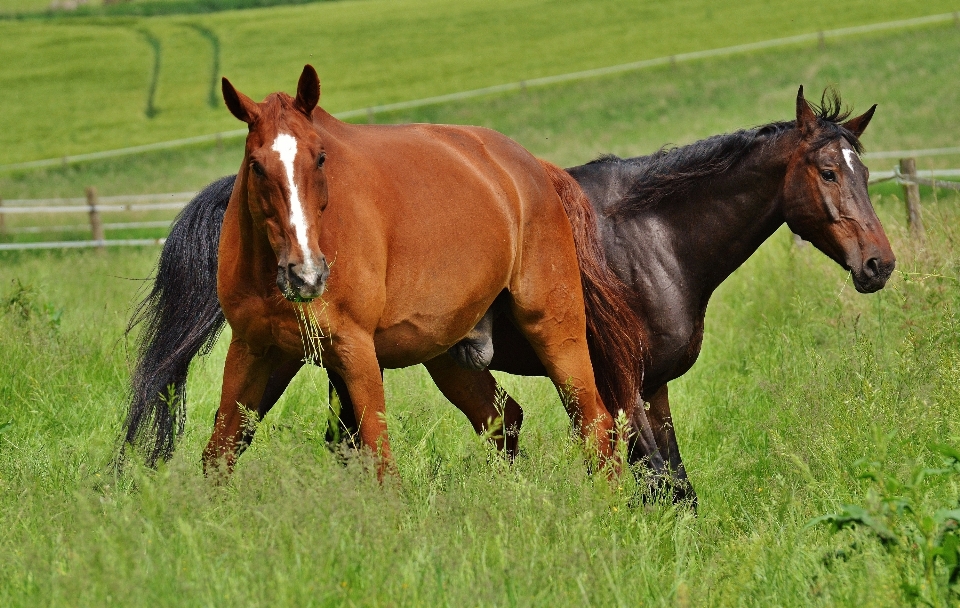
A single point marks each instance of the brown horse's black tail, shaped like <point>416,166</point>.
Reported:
<point>614,331</point>
<point>179,319</point>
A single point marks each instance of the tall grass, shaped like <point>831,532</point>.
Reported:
<point>798,378</point>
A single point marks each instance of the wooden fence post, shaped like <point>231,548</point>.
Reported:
<point>911,194</point>
<point>96,225</point>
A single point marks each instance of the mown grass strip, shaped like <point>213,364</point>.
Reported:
<point>492,90</point>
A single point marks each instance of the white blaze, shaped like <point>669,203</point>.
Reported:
<point>286,146</point>
<point>848,155</point>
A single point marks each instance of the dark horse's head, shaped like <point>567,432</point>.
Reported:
<point>285,183</point>
<point>825,198</point>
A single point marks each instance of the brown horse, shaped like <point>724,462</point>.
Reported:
<point>395,241</point>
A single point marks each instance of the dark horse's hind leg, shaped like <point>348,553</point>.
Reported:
<point>342,425</point>
<point>662,424</point>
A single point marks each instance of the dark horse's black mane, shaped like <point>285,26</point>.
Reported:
<point>672,171</point>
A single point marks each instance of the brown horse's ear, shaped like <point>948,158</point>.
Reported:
<point>859,124</point>
<point>239,104</point>
<point>806,119</point>
<point>308,90</point>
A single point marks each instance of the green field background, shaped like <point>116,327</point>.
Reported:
<point>799,377</point>
<point>80,85</point>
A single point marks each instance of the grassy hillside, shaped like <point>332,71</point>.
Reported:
<point>75,85</point>
<point>910,74</point>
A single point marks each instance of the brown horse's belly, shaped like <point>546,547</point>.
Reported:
<point>420,337</point>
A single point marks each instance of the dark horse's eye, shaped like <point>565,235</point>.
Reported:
<point>321,158</point>
<point>258,169</point>
<point>828,175</point>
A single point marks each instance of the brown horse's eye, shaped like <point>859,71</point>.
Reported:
<point>321,158</point>
<point>828,175</point>
<point>258,169</point>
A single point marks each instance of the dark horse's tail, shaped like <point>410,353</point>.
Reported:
<point>614,332</point>
<point>180,318</point>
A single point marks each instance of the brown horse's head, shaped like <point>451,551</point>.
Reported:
<point>285,183</point>
<point>825,193</point>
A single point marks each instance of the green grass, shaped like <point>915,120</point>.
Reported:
<point>76,85</point>
<point>907,73</point>
<point>799,376</point>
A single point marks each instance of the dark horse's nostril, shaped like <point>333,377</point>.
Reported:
<point>872,267</point>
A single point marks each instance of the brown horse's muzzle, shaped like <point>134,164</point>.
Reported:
<point>872,274</point>
<point>303,282</point>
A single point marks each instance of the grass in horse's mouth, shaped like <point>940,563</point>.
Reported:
<point>310,330</point>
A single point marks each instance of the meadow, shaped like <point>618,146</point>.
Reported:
<point>799,378</point>
<point>75,85</point>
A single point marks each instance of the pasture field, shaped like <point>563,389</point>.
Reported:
<point>799,377</point>
<point>74,85</point>
<point>911,75</point>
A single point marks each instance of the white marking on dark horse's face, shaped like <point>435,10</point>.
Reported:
<point>286,146</point>
<point>849,155</point>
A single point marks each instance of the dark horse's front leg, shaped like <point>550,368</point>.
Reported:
<point>662,426</point>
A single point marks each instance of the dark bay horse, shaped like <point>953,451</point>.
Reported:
<point>393,242</point>
<point>677,223</point>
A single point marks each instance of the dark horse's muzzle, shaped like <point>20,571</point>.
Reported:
<point>303,282</point>
<point>873,273</point>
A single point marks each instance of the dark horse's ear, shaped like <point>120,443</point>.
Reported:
<point>239,104</point>
<point>859,124</point>
<point>308,90</point>
<point>806,119</point>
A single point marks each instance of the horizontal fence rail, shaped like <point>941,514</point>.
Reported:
<point>123,199</point>
<point>92,205</point>
<point>817,37</point>
<point>904,174</point>
<point>101,243</point>
<point>79,209</point>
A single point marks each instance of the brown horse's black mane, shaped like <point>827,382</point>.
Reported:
<point>672,171</point>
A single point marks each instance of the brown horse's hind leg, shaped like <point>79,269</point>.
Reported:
<point>662,423</point>
<point>245,377</point>
<point>475,394</point>
<point>556,329</point>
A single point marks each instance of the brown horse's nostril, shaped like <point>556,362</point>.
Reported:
<point>872,268</point>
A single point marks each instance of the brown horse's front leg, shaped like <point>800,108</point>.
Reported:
<point>245,376</point>
<point>475,394</point>
<point>358,367</point>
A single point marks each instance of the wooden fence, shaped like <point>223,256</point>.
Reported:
<point>92,205</point>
